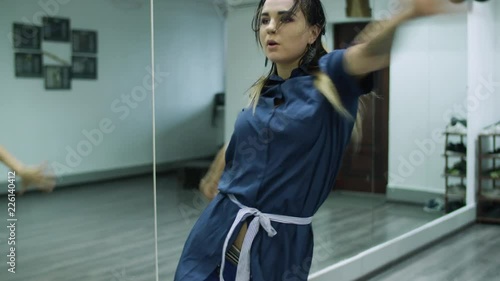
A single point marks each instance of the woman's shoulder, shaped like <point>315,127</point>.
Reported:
<point>332,63</point>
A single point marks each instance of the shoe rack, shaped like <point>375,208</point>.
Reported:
<point>455,155</point>
<point>488,193</point>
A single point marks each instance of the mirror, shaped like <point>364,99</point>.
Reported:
<point>77,94</point>
<point>190,59</point>
<point>406,174</point>
<point>394,183</point>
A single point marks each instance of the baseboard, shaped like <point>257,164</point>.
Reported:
<point>389,252</point>
<point>113,174</point>
<point>361,194</point>
<point>410,195</point>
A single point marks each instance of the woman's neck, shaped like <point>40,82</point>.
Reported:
<point>285,70</point>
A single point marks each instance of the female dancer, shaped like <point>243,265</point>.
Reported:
<point>287,146</point>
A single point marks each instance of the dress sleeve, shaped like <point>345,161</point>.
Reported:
<point>333,65</point>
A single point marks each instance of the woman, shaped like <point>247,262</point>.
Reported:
<point>30,176</point>
<point>286,149</point>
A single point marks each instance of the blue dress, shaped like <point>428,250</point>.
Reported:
<point>280,160</point>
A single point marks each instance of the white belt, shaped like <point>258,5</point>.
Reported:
<point>260,219</point>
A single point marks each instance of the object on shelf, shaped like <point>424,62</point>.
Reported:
<point>457,129</point>
<point>492,193</point>
<point>457,126</point>
<point>496,151</point>
<point>455,194</point>
<point>455,120</point>
<point>458,169</point>
<point>493,173</point>
<point>457,190</point>
<point>488,203</point>
<point>457,147</point>
<point>492,129</point>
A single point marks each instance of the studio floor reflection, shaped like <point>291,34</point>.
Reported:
<point>92,232</point>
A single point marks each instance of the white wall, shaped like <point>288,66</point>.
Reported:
<point>497,47</point>
<point>497,38</point>
<point>244,64</point>
<point>45,125</point>
<point>189,46</point>
<point>428,87</point>
<point>484,79</point>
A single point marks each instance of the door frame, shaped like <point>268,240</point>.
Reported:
<point>381,111</point>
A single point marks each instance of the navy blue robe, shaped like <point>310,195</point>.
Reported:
<point>281,160</point>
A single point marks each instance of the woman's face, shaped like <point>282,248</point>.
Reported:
<point>284,37</point>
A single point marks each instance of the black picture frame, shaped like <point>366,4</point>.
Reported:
<point>28,64</point>
<point>56,29</point>
<point>84,41</point>
<point>84,67</point>
<point>26,36</point>
<point>57,77</point>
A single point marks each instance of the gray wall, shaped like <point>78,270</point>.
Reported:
<point>54,126</point>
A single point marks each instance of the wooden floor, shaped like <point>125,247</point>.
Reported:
<point>472,254</point>
<point>104,231</point>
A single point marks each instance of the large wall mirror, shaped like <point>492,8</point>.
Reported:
<point>189,55</point>
<point>408,177</point>
<point>94,130</point>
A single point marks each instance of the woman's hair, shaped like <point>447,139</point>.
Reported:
<point>315,16</point>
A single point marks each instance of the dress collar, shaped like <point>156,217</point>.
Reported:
<point>299,71</point>
<point>274,80</point>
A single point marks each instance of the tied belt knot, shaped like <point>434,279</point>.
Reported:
<point>260,220</point>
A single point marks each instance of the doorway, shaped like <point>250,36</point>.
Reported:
<point>365,169</point>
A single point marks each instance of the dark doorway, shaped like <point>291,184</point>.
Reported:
<point>365,170</point>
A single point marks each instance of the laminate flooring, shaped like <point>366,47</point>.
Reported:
<point>473,254</point>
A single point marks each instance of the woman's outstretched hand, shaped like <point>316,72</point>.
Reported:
<point>38,177</point>
<point>423,8</point>
<point>209,188</point>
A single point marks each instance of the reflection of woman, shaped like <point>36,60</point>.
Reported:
<point>209,183</point>
<point>286,149</point>
<point>30,176</point>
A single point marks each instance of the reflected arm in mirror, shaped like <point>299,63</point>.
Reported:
<point>372,47</point>
<point>30,176</point>
<point>210,182</point>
